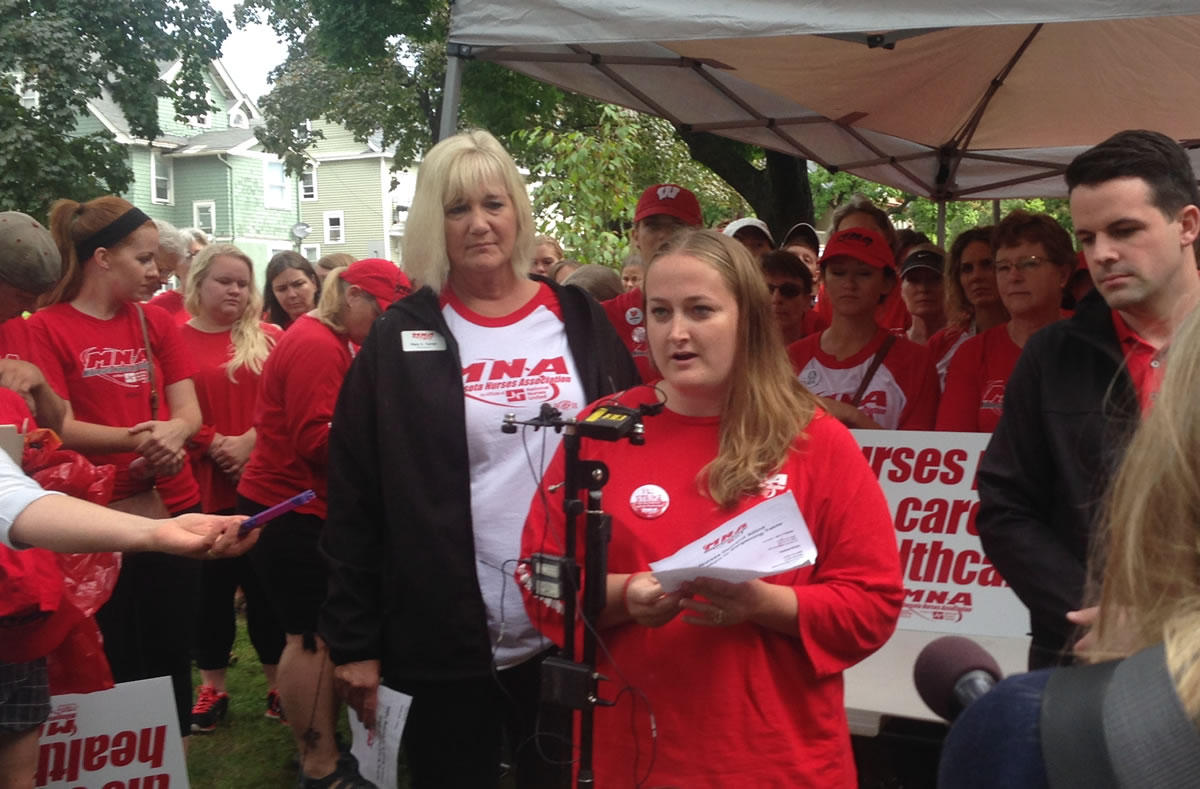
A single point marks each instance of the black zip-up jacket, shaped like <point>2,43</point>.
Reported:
<point>398,538</point>
<point>1069,411</point>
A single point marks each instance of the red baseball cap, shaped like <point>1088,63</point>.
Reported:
<point>672,200</point>
<point>381,278</point>
<point>862,244</point>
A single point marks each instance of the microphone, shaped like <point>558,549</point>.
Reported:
<point>951,672</point>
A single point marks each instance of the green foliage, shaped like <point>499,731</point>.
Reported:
<point>70,51</point>
<point>340,67</point>
<point>583,195</point>
<point>831,190</point>
<point>664,158</point>
<point>378,68</point>
<point>586,181</point>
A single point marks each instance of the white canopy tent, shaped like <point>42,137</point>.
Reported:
<point>965,100</point>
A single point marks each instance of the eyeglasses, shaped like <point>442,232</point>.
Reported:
<point>789,290</point>
<point>1024,265</point>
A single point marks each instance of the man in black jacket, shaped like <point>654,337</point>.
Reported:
<point>1081,384</point>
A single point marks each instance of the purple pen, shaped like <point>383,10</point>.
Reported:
<point>270,513</point>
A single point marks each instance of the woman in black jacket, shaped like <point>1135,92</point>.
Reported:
<point>427,497</point>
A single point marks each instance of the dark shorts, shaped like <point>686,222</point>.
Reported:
<point>24,695</point>
<point>290,567</point>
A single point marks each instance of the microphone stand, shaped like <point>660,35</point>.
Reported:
<point>568,682</point>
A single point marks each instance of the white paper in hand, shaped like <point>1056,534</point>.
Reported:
<point>378,750</point>
<point>767,539</point>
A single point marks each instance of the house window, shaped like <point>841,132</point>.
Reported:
<point>311,252</point>
<point>203,121</point>
<point>335,227</point>
<point>274,185</point>
<point>308,183</point>
<point>162,186</point>
<point>238,120</point>
<point>204,216</point>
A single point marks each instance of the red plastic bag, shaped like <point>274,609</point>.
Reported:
<point>78,664</point>
<point>65,470</point>
<point>89,578</point>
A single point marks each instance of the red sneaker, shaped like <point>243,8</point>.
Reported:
<point>275,706</point>
<point>211,706</point>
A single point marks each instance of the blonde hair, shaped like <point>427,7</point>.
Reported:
<point>334,260</point>
<point>197,235</point>
<point>766,408</point>
<point>331,309</point>
<point>453,169</point>
<point>1150,546</point>
<point>551,241</point>
<point>251,344</point>
<point>72,222</point>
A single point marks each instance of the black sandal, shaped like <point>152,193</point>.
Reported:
<point>346,776</point>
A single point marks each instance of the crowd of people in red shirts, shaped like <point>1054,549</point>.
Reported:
<point>385,400</point>
<point>890,330</point>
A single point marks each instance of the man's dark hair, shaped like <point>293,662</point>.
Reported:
<point>782,263</point>
<point>1136,153</point>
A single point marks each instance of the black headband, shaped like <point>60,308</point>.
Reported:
<point>111,233</point>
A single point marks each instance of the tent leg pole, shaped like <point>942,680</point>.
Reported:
<point>941,227</point>
<point>996,212</point>
<point>451,93</point>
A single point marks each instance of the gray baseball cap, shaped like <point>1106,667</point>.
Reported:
<point>29,258</point>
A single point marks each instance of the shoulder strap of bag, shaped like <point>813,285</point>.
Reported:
<point>149,361</point>
<point>877,360</point>
<point>1072,727</point>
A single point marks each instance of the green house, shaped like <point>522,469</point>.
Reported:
<point>346,196</point>
<point>209,171</point>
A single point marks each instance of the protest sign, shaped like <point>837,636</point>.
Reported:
<point>950,586</point>
<point>126,737</point>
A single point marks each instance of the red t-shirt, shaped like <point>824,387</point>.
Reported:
<point>944,344</point>
<point>99,366</point>
<point>16,340</point>
<point>1145,363</point>
<point>974,395</point>
<point>626,314</point>
<point>227,407</point>
<point>903,393</point>
<point>297,393</point>
<point>738,706</point>
<point>172,302</point>
<point>14,411</point>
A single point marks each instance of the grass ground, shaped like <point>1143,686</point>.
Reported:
<point>247,749</point>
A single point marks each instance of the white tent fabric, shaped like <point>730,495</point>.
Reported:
<point>946,101</point>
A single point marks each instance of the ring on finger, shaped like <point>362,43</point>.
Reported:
<point>719,617</point>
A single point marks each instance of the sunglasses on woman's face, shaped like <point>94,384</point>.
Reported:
<point>789,290</point>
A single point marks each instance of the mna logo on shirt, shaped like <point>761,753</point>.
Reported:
<point>122,366</point>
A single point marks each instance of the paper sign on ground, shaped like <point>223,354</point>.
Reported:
<point>124,736</point>
<point>378,749</point>
<point>767,539</point>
